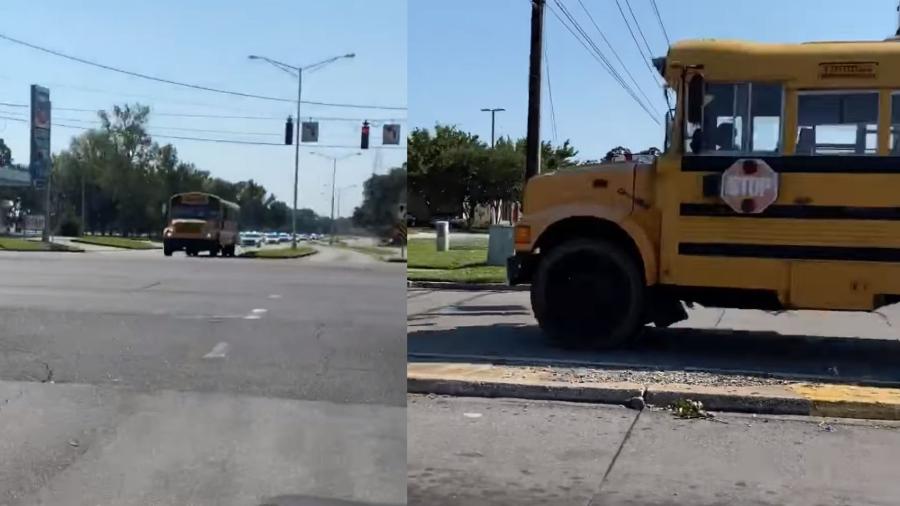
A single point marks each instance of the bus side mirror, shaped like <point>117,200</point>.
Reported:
<point>695,99</point>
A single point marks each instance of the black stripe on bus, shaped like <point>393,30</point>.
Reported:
<point>805,212</point>
<point>792,252</point>
<point>849,164</point>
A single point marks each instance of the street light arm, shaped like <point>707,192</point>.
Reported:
<point>327,61</point>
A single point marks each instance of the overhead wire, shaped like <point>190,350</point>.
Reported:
<point>550,90</point>
<point>598,56</point>
<point>638,26</point>
<point>661,24</point>
<point>187,85</point>
<point>644,57</point>
<point>615,53</point>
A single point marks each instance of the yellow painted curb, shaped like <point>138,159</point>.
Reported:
<point>848,401</point>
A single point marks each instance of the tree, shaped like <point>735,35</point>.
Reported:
<point>433,163</point>
<point>5,154</point>
<point>616,152</point>
<point>381,196</point>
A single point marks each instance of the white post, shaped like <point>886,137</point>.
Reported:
<point>443,235</point>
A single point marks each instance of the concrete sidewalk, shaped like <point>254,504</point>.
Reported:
<point>69,444</point>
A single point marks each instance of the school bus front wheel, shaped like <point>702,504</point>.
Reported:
<point>589,293</point>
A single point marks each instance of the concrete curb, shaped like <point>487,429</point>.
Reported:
<point>824,400</point>
<point>443,285</point>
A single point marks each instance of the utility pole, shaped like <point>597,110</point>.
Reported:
<point>533,139</point>
<point>83,215</point>
<point>334,161</point>
<point>493,112</point>
<point>297,129</point>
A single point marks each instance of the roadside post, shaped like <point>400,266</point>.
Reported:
<point>500,244</point>
<point>442,229</point>
<point>401,229</point>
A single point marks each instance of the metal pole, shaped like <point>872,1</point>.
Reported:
<point>533,140</point>
<point>493,114</point>
<point>333,176</point>
<point>298,126</point>
<point>45,237</point>
<point>83,219</point>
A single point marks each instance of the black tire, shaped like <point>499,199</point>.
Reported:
<point>228,251</point>
<point>167,250</point>
<point>214,250</point>
<point>589,293</point>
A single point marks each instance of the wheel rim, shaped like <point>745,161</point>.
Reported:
<point>588,294</point>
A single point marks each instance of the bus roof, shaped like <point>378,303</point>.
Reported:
<point>853,64</point>
<point>209,195</point>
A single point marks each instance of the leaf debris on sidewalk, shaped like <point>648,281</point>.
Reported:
<point>688,409</point>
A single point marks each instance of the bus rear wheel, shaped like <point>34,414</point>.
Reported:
<point>228,251</point>
<point>589,294</point>
<point>167,249</point>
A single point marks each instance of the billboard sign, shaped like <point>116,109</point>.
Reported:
<point>40,134</point>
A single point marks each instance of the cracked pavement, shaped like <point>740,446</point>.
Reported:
<point>490,452</point>
<point>200,380</point>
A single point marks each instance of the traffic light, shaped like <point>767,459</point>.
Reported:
<point>364,142</point>
<point>289,131</point>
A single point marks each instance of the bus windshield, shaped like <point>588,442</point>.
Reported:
<point>187,212</point>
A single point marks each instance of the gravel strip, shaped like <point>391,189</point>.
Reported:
<point>585,375</point>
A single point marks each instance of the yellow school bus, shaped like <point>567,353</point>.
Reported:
<point>201,222</point>
<point>779,187</point>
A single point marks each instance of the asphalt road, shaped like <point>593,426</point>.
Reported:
<point>503,452</point>
<point>498,327</point>
<point>200,380</point>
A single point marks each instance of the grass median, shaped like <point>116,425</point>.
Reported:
<point>17,244</point>
<point>465,262</point>
<point>301,251</point>
<point>116,242</point>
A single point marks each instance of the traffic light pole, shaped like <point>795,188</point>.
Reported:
<point>296,159</point>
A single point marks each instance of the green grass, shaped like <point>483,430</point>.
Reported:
<point>423,254</point>
<point>17,244</point>
<point>479,274</point>
<point>116,242</point>
<point>288,252</point>
<point>464,263</point>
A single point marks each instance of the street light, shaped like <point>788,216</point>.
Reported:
<point>298,73</point>
<point>334,161</point>
<point>493,113</point>
<point>339,199</point>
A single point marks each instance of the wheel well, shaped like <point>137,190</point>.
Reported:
<point>581,227</point>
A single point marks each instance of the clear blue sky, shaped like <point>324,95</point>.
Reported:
<point>470,54</point>
<point>207,42</point>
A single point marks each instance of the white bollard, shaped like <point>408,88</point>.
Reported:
<point>443,235</point>
<point>500,244</point>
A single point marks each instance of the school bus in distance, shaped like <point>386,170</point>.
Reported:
<point>201,222</point>
<point>779,187</point>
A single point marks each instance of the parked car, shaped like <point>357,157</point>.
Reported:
<point>410,220</point>
<point>272,238</point>
<point>313,237</point>
<point>251,240</point>
<point>284,237</point>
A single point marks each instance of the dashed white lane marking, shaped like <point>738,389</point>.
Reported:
<point>252,317</point>
<point>472,415</point>
<point>259,311</point>
<point>274,296</point>
<point>218,351</point>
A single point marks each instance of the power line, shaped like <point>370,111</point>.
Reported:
<point>227,116</point>
<point>638,26</point>
<point>661,24</point>
<point>615,53</point>
<point>598,56</point>
<point>638,44</point>
<point>550,92</point>
<point>188,85</point>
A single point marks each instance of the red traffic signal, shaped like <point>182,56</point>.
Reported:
<point>364,141</point>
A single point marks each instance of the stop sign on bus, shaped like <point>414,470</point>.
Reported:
<point>749,186</point>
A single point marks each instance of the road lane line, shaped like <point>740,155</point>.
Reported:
<point>218,351</point>
<point>259,311</point>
